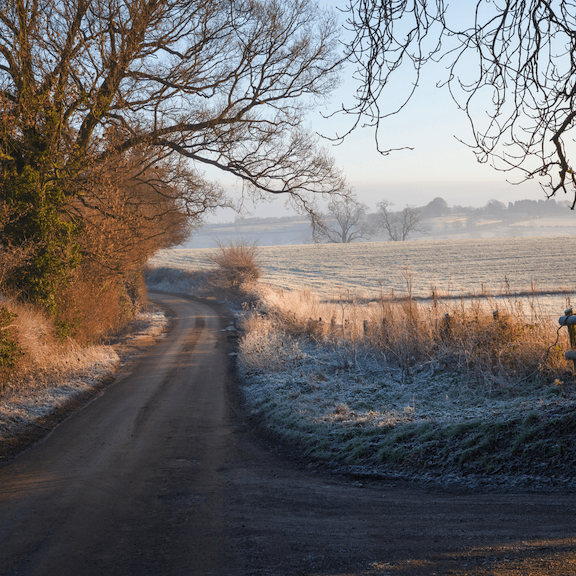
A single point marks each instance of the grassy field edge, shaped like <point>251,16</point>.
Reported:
<point>532,452</point>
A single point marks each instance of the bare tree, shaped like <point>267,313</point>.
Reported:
<point>513,59</point>
<point>221,83</point>
<point>151,91</point>
<point>345,221</point>
<point>399,225</point>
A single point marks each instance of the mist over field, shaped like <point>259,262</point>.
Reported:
<point>524,218</point>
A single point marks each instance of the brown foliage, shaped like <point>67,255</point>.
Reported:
<point>237,266</point>
<point>94,304</point>
<point>127,213</point>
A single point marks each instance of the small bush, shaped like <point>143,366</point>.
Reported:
<point>237,265</point>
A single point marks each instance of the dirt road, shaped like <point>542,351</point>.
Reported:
<point>160,475</point>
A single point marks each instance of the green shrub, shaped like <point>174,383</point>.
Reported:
<point>10,350</point>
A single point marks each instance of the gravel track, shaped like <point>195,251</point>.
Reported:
<point>164,475</point>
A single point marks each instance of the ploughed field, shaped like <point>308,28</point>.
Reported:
<point>454,267</point>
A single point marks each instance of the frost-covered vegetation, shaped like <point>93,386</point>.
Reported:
<point>408,374</point>
<point>389,381</point>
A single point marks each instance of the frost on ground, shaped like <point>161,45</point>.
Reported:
<point>351,403</point>
<point>75,371</point>
<point>481,394</point>
<point>366,418</point>
<point>313,387</point>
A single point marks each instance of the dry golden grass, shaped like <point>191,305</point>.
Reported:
<point>47,360</point>
<point>515,344</point>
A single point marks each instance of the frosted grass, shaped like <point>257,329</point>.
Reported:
<point>312,383</point>
<point>71,374</point>
<point>454,267</point>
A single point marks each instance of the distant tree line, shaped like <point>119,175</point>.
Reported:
<point>346,221</point>
<point>439,207</point>
<point>349,220</point>
<point>239,220</point>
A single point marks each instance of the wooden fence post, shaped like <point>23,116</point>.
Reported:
<point>446,329</point>
<point>569,320</point>
<point>571,329</point>
<point>384,331</point>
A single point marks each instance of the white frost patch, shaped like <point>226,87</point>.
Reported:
<point>29,407</point>
<point>312,387</point>
<point>72,374</point>
<point>149,325</point>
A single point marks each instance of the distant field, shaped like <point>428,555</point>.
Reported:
<point>448,227</point>
<point>453,266</point>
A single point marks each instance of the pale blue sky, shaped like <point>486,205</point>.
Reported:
<point>439,165</point>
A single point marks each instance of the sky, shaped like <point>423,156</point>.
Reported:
<point>438,165</point>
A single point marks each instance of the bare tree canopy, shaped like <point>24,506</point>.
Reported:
<point>511,66</point>
<point>399,225</point>
<point>345,221</point>
<point>109,111</point>
<point>223,83</point>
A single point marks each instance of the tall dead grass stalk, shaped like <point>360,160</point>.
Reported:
<point>501,350</point>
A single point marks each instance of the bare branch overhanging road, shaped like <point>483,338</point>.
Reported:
<point>159,476</point>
